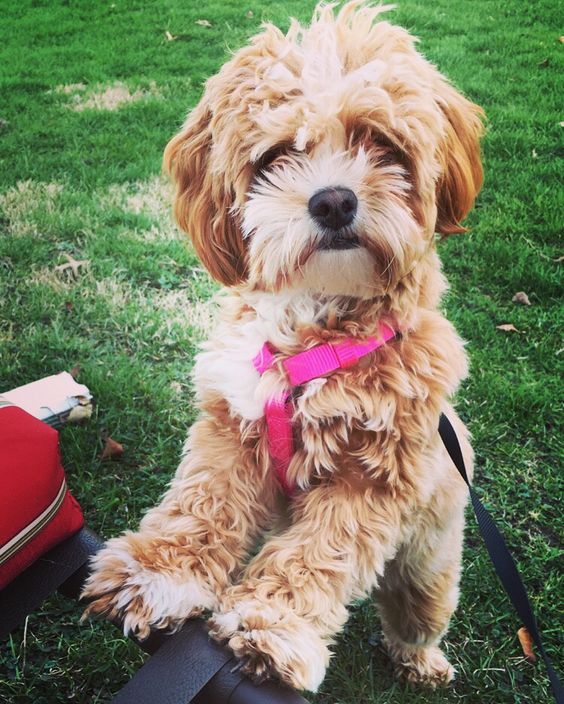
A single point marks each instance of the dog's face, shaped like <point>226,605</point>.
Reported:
<point>325,158</point>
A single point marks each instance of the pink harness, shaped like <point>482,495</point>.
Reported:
<point>305,366</point>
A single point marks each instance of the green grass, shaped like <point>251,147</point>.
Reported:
<point>87,184</point>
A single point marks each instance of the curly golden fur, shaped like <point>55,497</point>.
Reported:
<point>346,103</point>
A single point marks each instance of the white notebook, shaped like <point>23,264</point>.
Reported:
<point>55,399</point>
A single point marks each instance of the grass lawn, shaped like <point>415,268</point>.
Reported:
<point>90,92</point>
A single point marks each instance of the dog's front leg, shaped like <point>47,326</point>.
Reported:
<point>186,549</point>
<point>282,616</point>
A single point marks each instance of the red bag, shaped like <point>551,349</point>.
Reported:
<point>37,510</point>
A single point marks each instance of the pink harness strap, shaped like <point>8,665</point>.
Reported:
<point>300,368</point>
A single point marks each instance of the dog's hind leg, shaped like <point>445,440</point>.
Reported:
<point>419,593</point>
<point>188,548</point>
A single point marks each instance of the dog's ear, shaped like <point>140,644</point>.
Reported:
<point>203,200</point>
<point>459,154</point>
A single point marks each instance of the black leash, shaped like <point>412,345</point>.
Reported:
<point>500,556</point>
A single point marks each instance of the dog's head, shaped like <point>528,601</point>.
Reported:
<point>325,158</point>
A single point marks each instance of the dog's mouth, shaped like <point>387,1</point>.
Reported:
<point>339,239</point>
<point>329,241</point>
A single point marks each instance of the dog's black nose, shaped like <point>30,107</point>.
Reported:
<point>333,207</point>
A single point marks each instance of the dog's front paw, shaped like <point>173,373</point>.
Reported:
<point>122,589</point>
<point>425,665</point>
<point>271,642</point>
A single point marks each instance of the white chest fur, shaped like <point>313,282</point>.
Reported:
<point>225,364</point>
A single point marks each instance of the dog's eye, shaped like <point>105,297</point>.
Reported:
<point>387,153</point>
<point>269,157</point>
<point>387,156</point>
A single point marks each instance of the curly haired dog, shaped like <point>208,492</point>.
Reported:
<point>312,178</point>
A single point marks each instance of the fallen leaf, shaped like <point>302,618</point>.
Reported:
<point>561,40</point>
<point>72,265</point>
<point>249,14</point>
<point>75,371</point>
<point>203,23</point>
<point>562,124</point>
<point>526,644</point>
<point>507,327</point>
<point>559,259</point>
<point>521,297</point>
<point>534,154</point>
<point>170,36</point>
<point>544,63</point>
<point>112,449</point>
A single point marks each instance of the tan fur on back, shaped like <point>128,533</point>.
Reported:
<point>347,103</point>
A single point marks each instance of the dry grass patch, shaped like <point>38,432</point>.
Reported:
<point>176,308</point>
<point>22,206</point>
<point>69,89</point>
<point>152,198</point>
<point>115,293</point>
<point>171,308</point>
<point>100,97</point>
<point>48,277</point>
